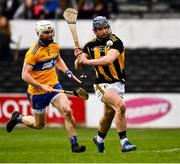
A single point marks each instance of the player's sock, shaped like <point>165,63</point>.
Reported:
<point>123,141</point>
<point>100,140</point>
<point>74,140</point>
<point>101,137</point>
<point>122,136</point>
<point>126,145</point>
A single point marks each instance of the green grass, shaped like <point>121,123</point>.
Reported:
<point>50,145</point>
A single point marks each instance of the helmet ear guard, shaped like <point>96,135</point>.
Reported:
<point>43,25</point>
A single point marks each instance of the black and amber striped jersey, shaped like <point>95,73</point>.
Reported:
<point>108,73</point>
<point>43,60</point>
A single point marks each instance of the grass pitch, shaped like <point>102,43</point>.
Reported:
<point>51,145</point>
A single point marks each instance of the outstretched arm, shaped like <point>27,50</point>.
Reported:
<point>60,64</point>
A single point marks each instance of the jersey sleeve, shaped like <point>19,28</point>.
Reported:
<point>118,44</point>
<point>85,49</point>
<point>30,58</point>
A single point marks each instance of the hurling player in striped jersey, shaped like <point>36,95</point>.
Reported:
<point>106,53</point>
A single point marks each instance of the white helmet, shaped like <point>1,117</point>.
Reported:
<point>43,25</point>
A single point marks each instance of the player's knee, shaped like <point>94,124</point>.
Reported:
<point>67,113</point>
<point>121,108</point>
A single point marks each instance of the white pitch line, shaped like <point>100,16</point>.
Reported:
<point>167,150</point>
<point>161,151</point>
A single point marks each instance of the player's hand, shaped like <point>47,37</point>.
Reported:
<point>77,52</point>
<point>46,88</point>
<point>82,59</point>
<point>70,75</point>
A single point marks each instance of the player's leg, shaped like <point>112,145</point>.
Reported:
<point>61,102</point>
<point>106,120</point>
<point>37,121</point>
<point>104,126</point>
<point>116,102</point>
<point>38,103</point>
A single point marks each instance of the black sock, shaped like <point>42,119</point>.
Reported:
<point>122,135</point>
<point>102,135</point>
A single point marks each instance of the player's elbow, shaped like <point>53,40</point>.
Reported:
<point>109,61</point>
<point>24,76</point>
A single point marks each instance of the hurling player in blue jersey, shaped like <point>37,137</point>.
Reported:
<point>39,71</point>
<point>106,54</point>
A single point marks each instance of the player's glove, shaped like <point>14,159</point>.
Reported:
<point>69,74</point>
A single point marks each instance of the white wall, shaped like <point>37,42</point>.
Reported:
<point>150,33</point>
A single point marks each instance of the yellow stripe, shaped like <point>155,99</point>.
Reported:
<point>93,66</point>
<point>100,68</point>
<point>106,50</point>
<point>113,38</point>
<point>89,50</point>
<point>113,71</point>
<point>100,89</point>
<point>121,60</point>
<point>111,67</point>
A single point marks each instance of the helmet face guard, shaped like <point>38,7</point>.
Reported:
<point>100,21</point>
<point>43,25</point>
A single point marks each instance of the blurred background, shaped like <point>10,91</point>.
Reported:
<point>150,31</point>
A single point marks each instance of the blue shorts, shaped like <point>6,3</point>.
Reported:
<point>39,102</point>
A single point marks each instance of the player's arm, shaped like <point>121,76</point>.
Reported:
<point>60,64</point>
<point>111,56</point>
<point>26,76</point>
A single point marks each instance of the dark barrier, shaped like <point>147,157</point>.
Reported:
<point>148,70</point>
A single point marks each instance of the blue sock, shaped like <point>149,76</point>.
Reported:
<point>74,140</point>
